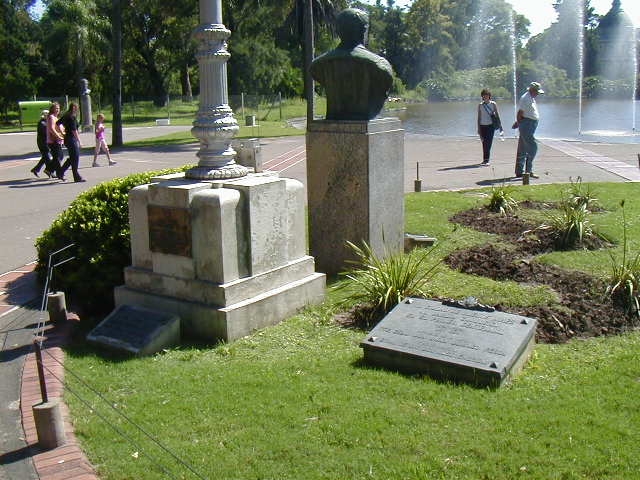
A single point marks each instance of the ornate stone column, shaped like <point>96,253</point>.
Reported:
<point>215,124</point>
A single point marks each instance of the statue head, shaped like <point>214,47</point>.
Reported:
<point>84,87</point>
<point>352,25</point>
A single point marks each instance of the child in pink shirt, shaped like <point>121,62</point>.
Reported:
<point>101,142</point>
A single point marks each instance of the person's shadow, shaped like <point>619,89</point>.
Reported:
<point>493,181</point>
<point>29,182</point>
<point>462,167</point>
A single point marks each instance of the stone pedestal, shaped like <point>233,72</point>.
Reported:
<point>226,257</point>
<point>355,185</point>
<point>49,424</point>
<point>87,115</point>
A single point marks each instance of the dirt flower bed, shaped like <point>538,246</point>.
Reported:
<point>583,308</point>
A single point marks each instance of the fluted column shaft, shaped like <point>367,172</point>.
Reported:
<point>215,124</point>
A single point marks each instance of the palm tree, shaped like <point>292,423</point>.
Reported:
<point>75,39</point>
<point>304,17</point>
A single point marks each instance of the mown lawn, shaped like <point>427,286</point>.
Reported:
<point>295,401</point>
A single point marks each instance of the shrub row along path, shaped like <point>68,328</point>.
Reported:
<point>30,204</point>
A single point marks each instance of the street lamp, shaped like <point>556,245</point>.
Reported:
<point>215,124</point>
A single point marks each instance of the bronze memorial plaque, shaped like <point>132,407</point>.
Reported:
<point>455,344</point>
<point>170,230</point>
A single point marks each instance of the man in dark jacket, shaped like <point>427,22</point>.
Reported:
<point>45,159</point>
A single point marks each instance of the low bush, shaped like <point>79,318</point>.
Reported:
<point>97,224</point>
<point>572,226</point>
<point>501,200</point>
<point>624,278</point>
<point>379,284</point>
<point>580,195</point>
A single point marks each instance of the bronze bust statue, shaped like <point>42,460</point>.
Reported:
<point>356,80</point>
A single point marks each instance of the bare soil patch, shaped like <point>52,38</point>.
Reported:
<point>583,308</point>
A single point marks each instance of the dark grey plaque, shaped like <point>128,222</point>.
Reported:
<point>451,343</point>
<point>170,230</point>
<point>137,330</point>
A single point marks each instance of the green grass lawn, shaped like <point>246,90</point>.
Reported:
<point>295,401</point>
<point>264,130</point>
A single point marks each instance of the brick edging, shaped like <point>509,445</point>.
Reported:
<point>67,462</point>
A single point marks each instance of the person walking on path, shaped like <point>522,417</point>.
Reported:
<point>101,142</point>
<point>71,141</point>
<point>45,159</point>
<point>488,123</point>
<point>55,137</point>
<point>527,122</point>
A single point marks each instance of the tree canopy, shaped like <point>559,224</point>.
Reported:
<point>427,44</point>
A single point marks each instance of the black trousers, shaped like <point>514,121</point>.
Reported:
<point>56,159</point>
<point>486,134</point>
<point>45,159</point>
<point>74,158</point>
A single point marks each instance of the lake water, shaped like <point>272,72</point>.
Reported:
<point>602,120</point>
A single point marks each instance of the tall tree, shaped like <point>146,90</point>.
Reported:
<point>431,28</point>
<point>158,46</point>
<point>21,54</point>
<point>484,34</point>
<point>559,44</point>
<point>388,34</point>
<point>75,42</point>
<point>616,36</point>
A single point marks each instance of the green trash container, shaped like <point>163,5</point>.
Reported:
<point>30,111</point>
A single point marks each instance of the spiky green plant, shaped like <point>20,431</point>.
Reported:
<point>624,280</point>
<point>579,194</point>
<point>501,200</point>
<point>571,226</point>
<point>382,283</point>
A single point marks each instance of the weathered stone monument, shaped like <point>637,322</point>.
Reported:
<point>85,106</point>
<point>355,161</point>
<point>221,247</point>
<point>452,341</point>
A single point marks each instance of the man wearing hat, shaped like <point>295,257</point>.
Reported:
<point>527,122</point>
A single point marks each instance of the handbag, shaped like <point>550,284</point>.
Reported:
<point>495,118</point>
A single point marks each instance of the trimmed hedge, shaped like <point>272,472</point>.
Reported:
<point>97,223</point>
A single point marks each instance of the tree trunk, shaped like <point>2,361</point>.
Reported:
<point>185,79</point>
<point>308,58</point>
<point>157,84</point>
<point>116,25</point>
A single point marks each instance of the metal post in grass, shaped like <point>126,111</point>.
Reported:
<point>215,125</point>
<point>417,184</point>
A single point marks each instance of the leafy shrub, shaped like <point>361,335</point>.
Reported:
<point>501,201</point>
<point>97,224</point>
<point>624,280</point>
<point>382,283</point>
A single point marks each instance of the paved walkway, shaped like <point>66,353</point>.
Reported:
<point>441,164</point>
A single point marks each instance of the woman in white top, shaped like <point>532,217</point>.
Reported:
<point>487,111</point>
<point>55,138</point>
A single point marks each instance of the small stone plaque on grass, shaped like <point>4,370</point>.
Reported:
<point>451,343</point>
<point>137,330</point>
